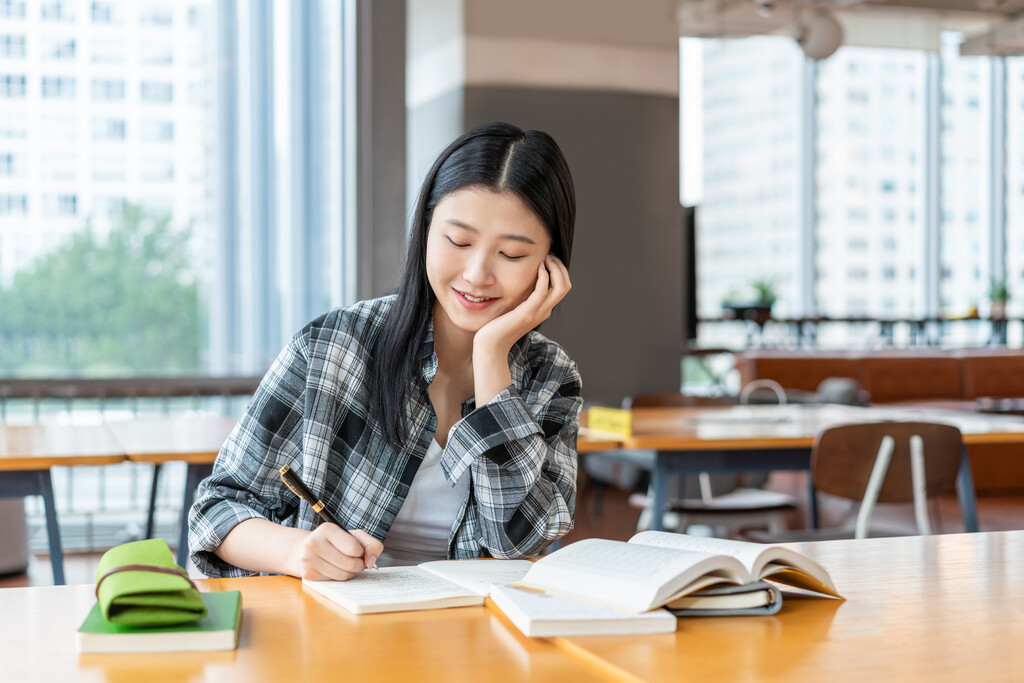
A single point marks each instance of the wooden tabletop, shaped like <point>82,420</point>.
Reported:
<point>288,634</point>
<point>937,608</point>
<point>162,439</point>
<point>35,447</point>
<point>793,426</point>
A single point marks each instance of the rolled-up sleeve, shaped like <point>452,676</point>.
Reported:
<point>520,449</point>
<point>245,483</point>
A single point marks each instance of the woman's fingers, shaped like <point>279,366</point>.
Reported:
<point>559,287</point>
<point>372,548</point>
<point>332,553</point>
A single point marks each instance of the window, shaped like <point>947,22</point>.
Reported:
<point>111,208</point>
<point>57,10</point>
<point>60,205</point>
<point>157,131</point>
<point>137,165</point>
<point>156,92</point>
<point>58,88</point>
<point>58,49</point>
<point>107,89</point>
<point>13,204</point>
<point>110,129</point>
<point>13,9</point>
<point>156,14</point>
<point>12,47</point>
<point>9,165</point>
<point>12,87</point>
<point>106,13</point>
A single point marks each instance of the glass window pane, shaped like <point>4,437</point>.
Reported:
<point>964,182</point>
<point>749,219</point>
<point>869,179</point>
<point>1014,164</point>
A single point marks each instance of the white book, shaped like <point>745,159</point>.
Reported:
<point>431,585</point>
<point>537,613</point>
<point>655,567</point>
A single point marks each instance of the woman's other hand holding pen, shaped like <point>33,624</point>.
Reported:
<point>331,553</point>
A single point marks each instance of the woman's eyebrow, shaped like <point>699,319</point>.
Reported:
<point>511,236</point>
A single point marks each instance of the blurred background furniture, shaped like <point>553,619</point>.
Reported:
<point>726,502</point>
<point>873,463</point>
<point>959,379</point>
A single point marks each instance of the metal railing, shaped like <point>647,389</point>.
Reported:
<point>102,506</point>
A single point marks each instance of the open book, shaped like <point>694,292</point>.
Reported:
<point>431,585</point>
<point>655,567</point>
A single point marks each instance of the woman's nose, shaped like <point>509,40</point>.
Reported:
<point>478,270</point>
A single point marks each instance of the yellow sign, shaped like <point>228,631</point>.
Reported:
<point>610,421</point>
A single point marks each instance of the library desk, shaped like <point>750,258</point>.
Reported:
<point>936,608</point>
<point>192,440</point>
<point>27,452</point>
<point>923,608</point>
<point>288,634</point>
<point>690,440</point>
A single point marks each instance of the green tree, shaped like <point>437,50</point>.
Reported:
<point>119,304</point>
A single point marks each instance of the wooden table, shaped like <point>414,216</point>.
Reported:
<point>764,438</point>
<point>288,634</point>
<point>27,452</point>
<point>932,608</point>
<point>192,440</point>
<point>937,608</point>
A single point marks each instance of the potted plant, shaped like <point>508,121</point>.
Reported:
<point>764,293</point>
<point>998,294</point>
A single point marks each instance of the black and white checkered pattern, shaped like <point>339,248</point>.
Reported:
<point>311,413</point>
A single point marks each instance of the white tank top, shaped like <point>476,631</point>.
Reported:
<point>423,526</point>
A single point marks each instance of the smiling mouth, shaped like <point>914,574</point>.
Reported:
<point>474,299</point>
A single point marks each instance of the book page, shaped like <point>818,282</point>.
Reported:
<point>479,575</point>
<point>627,575</point>
<point>644,562</point>
<point>787,566</point>
<point>746,553</point>
<point>388,586</point>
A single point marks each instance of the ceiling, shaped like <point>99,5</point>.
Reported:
<point>993,27</point>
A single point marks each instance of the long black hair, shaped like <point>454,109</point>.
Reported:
<point>499,157</point>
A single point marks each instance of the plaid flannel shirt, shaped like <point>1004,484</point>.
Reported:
<point>311,412</point>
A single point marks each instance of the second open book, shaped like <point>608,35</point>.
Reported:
<point>654,568</point>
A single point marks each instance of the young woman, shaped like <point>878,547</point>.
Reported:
<point>433,423</point>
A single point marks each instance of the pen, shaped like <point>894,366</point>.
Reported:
<point>292,481</point>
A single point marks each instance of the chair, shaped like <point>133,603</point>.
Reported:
<point>715,500</point>
<point>881,462</point>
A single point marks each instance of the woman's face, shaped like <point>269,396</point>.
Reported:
<point>483,252</point>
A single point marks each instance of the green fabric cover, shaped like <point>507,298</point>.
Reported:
<point>146,598</point>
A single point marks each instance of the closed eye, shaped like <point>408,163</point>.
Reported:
<point>456,244</point>
<point>513,258</point>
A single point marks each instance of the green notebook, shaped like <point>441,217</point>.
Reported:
<point>217,630</point>
<point>138,584</point>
